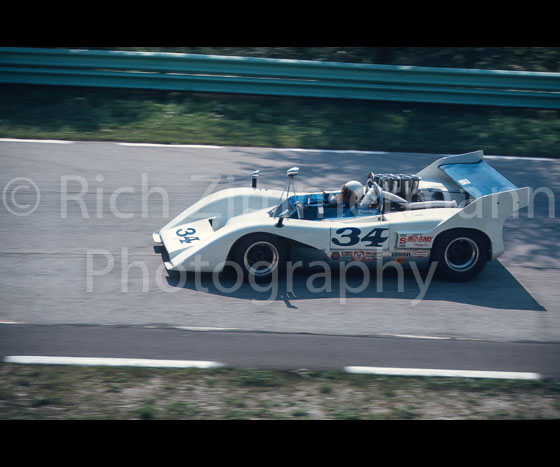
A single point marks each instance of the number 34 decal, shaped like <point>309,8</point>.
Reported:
<point>352,236</point>
<point>185,235</point>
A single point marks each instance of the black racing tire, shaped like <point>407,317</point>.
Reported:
<point>254,251</point>
<point>460,254</point>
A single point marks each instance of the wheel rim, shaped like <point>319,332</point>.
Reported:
<point>461,254</point>
<point>261,258</point>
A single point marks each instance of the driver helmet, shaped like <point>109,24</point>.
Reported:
<point>352,192</point>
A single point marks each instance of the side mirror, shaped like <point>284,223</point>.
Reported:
<point>292,172</point>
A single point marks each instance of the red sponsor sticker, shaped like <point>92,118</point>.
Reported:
<point>415,240</point>
<point>358,256</point>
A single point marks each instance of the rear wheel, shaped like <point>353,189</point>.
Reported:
<point>261,256</point>
<point>460,254</point>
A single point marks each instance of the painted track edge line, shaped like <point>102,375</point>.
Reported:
<point>49,141</point>
<point>441,373</point>
<point>204,146</point>
<point>163,145</point>
<point>93,361</point>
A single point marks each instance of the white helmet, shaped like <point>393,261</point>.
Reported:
<point>352,192</point>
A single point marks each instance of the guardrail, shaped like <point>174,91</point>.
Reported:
<point>212,73</point>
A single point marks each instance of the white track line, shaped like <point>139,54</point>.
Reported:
<point>207,146</point>
<point>203,328</point>
<point>336,151</point>
<point>48,141</point>
<point>155,145</point>
<point>87,361</point>
<point>411,336</point>
<point>152,363</point>
<point>445,373</point>
<point>520,158</point>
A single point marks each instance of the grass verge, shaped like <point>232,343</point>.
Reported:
<point>80,113</point>
<point>66,392</point>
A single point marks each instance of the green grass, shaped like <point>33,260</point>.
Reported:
<point>151,394</point>
<point>80,113</point>
<point>147,411</point>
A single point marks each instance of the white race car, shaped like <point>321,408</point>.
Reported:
<point>452,212</point>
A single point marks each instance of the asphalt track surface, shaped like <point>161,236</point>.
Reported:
<point>507,318</point>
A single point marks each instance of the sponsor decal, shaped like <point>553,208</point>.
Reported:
<point>355,255</point>
<point>358,256</point>
<point>464,181</point>
<point>403,254</point>
<point>414,240</point>
<point>365,255</point>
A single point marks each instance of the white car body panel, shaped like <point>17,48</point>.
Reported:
<point>203,235</point>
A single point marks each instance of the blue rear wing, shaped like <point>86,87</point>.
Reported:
<point>477,179</point>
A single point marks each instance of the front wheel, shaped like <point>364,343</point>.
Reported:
<point>261,256</point>
<point>460,254</point>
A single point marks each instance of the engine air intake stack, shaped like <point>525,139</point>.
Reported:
<point>403,185</point>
